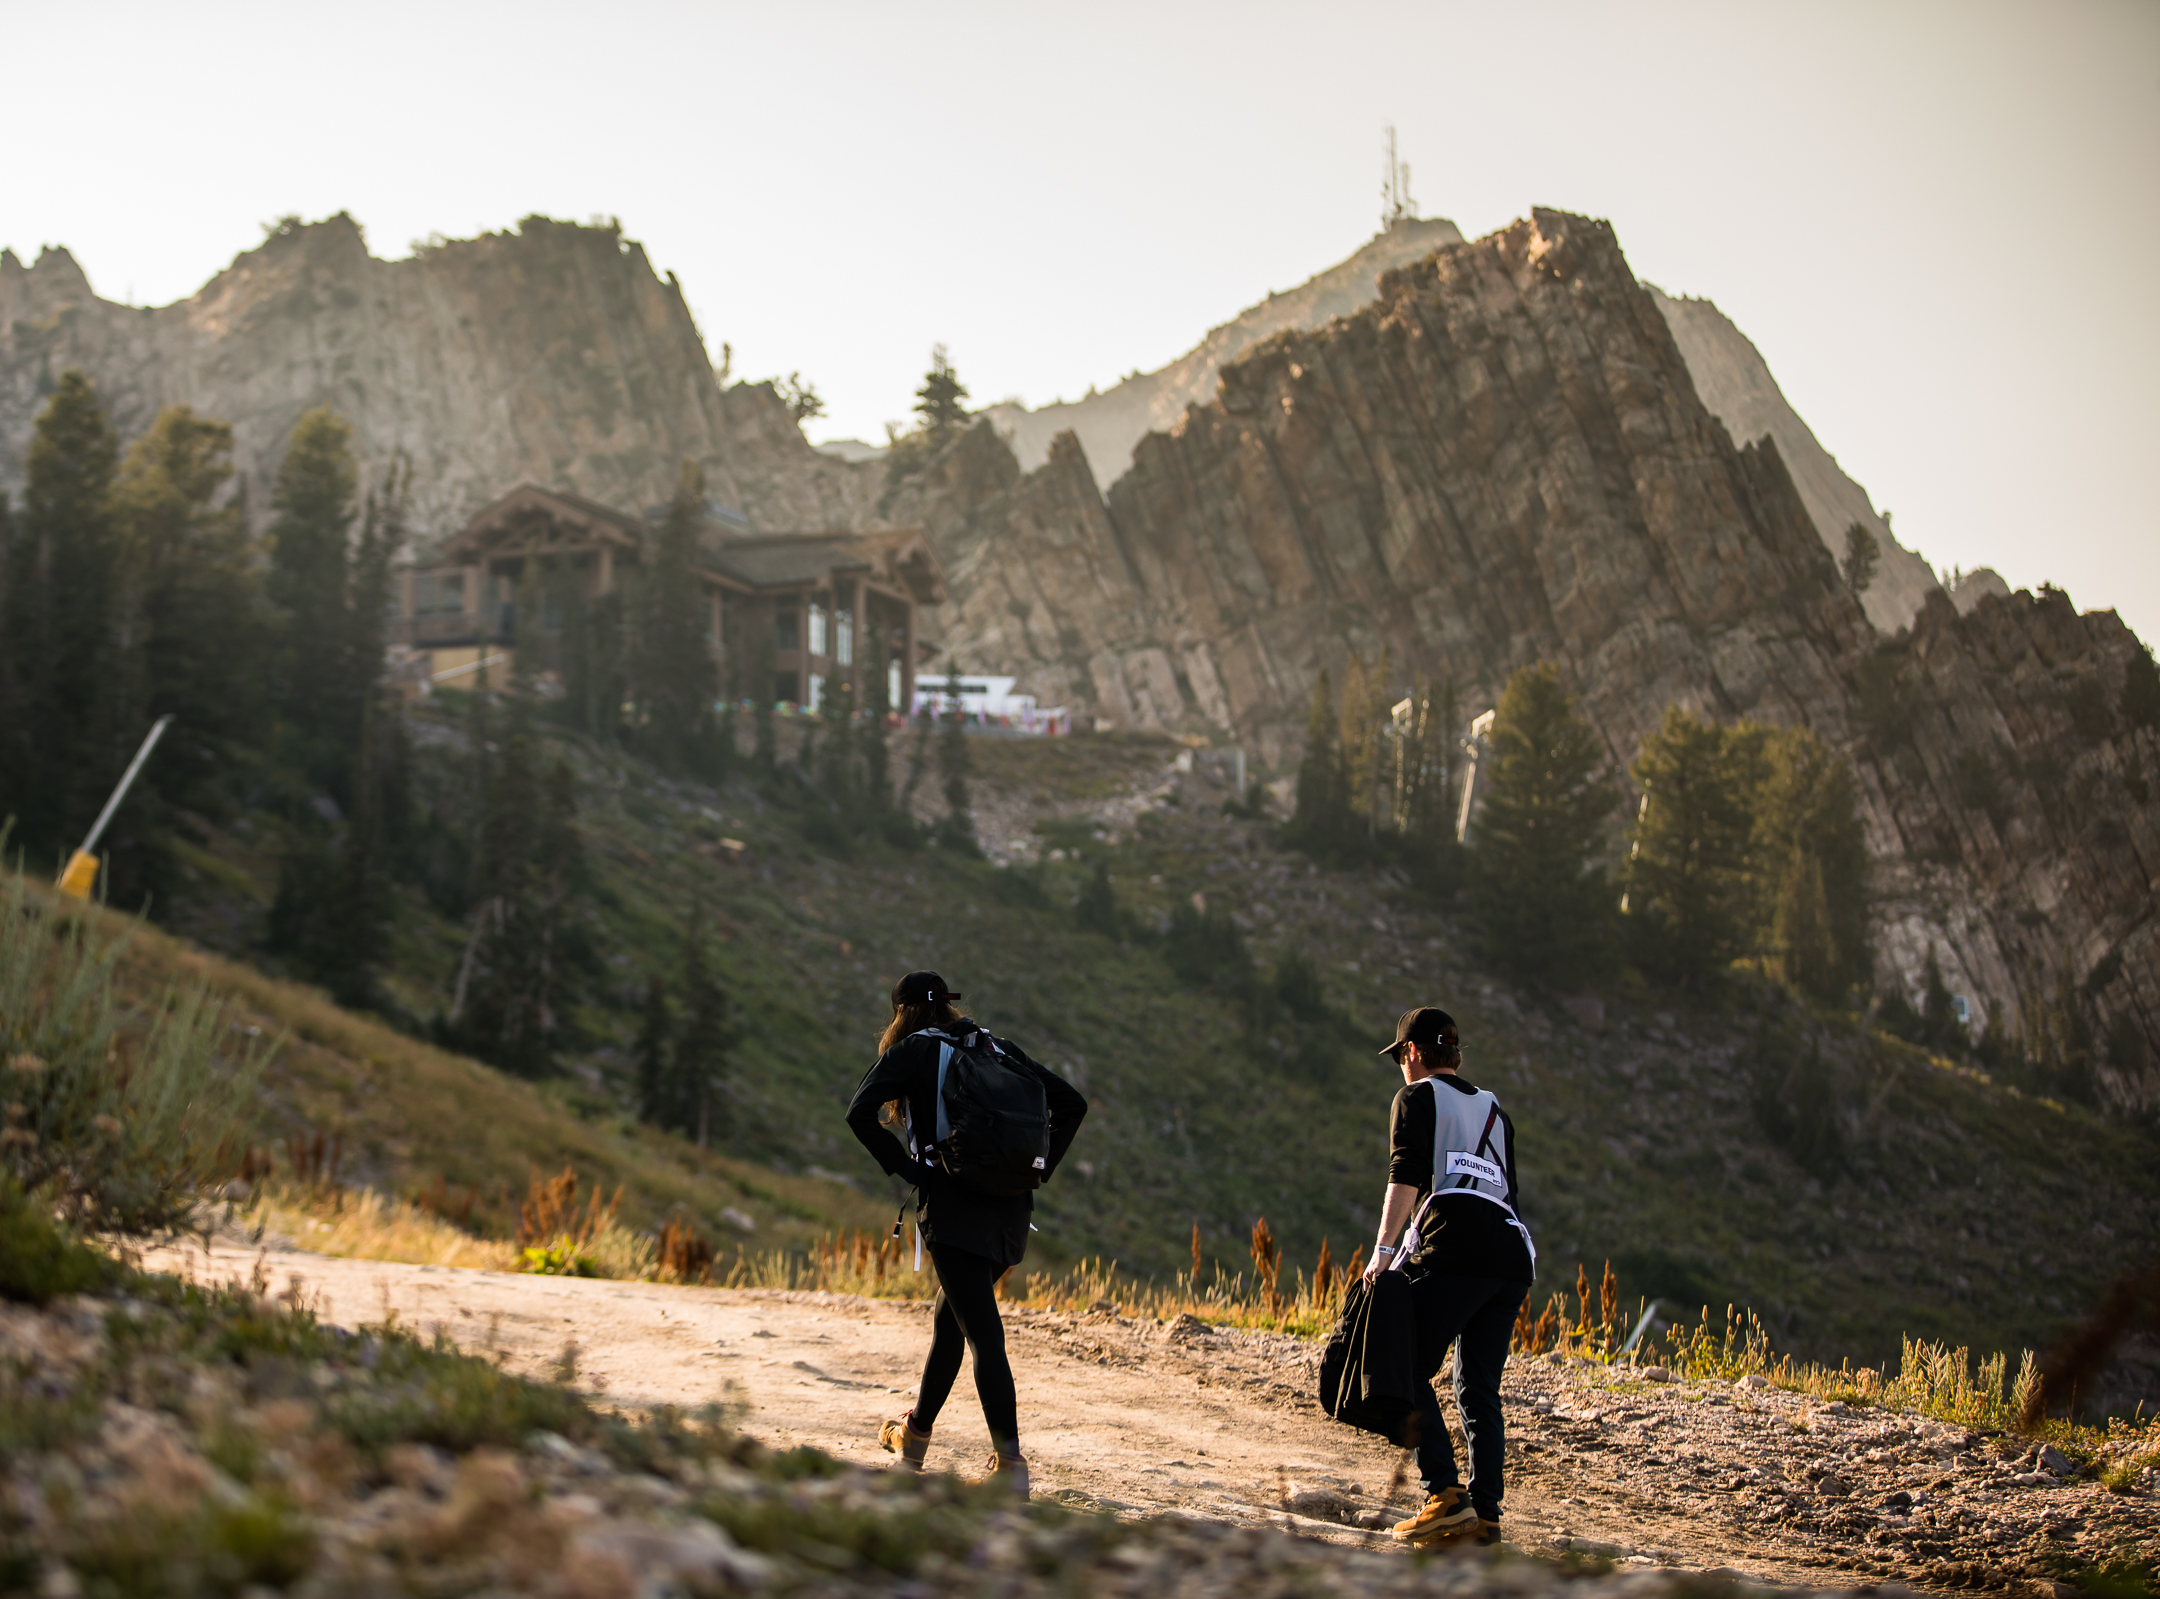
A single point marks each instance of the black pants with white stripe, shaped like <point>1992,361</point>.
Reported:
<point>1476,1317</point>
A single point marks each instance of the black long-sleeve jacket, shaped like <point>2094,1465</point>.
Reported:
<point>949,1214</point>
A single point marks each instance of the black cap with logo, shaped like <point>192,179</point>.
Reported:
<point>1424,1026</point>
<point>920,988</point>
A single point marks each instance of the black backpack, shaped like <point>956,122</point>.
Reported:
<point>993,1117</point>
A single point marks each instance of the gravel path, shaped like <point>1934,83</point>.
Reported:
<point>1133,1417</point>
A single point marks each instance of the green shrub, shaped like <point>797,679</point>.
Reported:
<point>118,1115</point>
<point>39,1259</point>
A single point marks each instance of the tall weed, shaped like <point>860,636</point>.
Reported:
<point>119,1115</point>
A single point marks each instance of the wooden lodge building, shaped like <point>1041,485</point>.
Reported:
<point>815,600</point>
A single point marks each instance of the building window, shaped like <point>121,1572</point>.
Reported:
<point>892,686</point>
<point>817,630</point>
<point>786,634</point>
<point>817,692</point>
<point>844,638</point>
<point>783,688</point>
<point>439,594</point>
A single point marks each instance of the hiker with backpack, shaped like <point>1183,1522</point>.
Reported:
<point>981,1127</point>
<point>1449,1225</point>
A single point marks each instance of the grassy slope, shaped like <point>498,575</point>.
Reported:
<point>409,1112</point>
<point>1962,1210</point>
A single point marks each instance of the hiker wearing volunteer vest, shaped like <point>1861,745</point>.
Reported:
<point>1449,1224</point>
<point>972,1201</point>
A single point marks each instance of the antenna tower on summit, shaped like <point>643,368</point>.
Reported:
<point>1395,201</point>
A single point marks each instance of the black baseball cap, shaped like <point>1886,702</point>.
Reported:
<point>1423,1026</point>
<point>920,988</point>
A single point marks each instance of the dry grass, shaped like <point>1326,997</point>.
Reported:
<point>362,1224</point>
<point>410,1115</point>
<point>879,1266</point>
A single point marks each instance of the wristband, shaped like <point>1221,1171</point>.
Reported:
<point>1383,1249</point>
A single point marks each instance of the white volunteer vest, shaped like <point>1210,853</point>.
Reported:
<point>1468,1158</point>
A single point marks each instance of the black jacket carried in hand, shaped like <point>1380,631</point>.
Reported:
<point>948,1213</point>
<point>1366,1375</point>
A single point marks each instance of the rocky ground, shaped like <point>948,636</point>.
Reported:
<point>207,1450</point>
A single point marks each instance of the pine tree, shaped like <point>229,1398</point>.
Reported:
<point>334,903</point>
<point>1689,890</point>
<point>1322,819</point>
<point>700,1058</point>
<point>1356,738</point>
<point>1810,860</point>
<point>956,830</point>
<point>1538,893</point>
<point>1862,554</point>
<point>501,1008</point>
<point>591,654</point>
<point>310,581</point>
<point>677,677</point>
<point>941,401</point>
<point>193,615</point>
<point>1803,950</point>
<point>876,755</point>
<point>17,752</point>
<point>66,745</point>
<point>653,1056</point>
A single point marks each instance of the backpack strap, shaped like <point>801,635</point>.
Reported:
<point>1484,1141</point>
<point>944,1062</point>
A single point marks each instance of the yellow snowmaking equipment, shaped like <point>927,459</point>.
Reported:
<point>81,874</point>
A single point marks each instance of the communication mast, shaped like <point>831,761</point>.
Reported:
<point>1395,202</point>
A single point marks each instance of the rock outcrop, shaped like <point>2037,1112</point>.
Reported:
<point>1505,458</point>
<point>1735,383</point>
<point>2013,797</point>
<point>1730,376</point>
<point>1111,423</point>
<point>553,353</point>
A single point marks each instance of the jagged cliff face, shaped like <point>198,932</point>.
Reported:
<point>1735,383</point>
<point>552,354</point>
<point>1110,424</point>
<point>1505,458</point>
<point>1501,459</point>
<point>2016,819</point>
<point>1729,373</point>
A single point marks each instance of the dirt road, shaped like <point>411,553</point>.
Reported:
<point>1129,1416</point>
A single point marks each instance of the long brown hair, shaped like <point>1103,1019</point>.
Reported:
<point>909,1019</point>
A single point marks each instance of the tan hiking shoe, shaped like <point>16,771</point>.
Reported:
<point>898,1436</point>
<point>1009,1472</point>
<point>1443,1516</point>
<point>1488,1534</point>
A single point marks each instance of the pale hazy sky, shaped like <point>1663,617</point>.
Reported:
<point>1937,221</point>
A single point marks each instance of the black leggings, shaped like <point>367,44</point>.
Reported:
<point>967,1314</point>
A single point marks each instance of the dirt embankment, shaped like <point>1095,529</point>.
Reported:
<point>1131,1417</point>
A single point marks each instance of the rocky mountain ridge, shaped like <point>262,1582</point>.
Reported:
<point>1505,458</point>
<point>552,354</point>
<point>1514,452</point>
<point>1729,373</point>
<point>1734,381</point>
<point>1110,424</point>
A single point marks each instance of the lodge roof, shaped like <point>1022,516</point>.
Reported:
<point>902,557</point>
